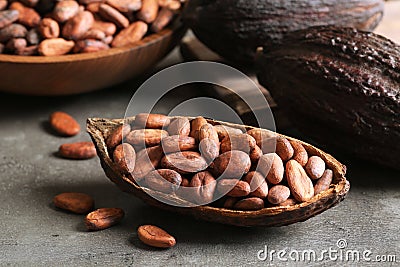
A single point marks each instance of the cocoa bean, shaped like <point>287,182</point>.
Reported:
<point>124,157</point>
<point>224,131</point>
<point>164,17</point>
<point>207,131</point>
<point>163,180</point>
<point>230,202</point>
<point>315,167</point>
<point>116,137</point>
<point>156,237</point>
<point>76,27</point>
<point>33,37</point>
<point>204,185</point>
<point>184,162</point>
<point>209,149</point>
<point>299,183</point>
<point>177,143</point>
<point>74,202</point>
<point>179,126</point>
<point>279,145</point>
<point>7,17</point>
<point>255,154</point>
<point>252,203</point>
<point>300,154</point>
<point>125,5</point>
<point>28,51</point>
<point>79,150</point>
<point>147,160</point>
<point>242,142</point>
<point>271,166</point>
<point>152,121</point>
<point>55,47</point>
<point>288,202</point>
<point>64,124</point>
<point>15,44</point>
<point>233,187</point>
<point>12,31</point>
<point>108,28</point>
<point>65,10</point>
<point>130,35</point>
<point>149,10</point>
<point>232,164</point>
<point>146,137</point>
<point>104,218</point>
<point>278,194</point>
<point>196,124</point>
<point>30,3</point>
<point>3,4</point>
<point>258,185</point>
<point>27,16</point>
<point>94,34</point>
<point>90,46</point>
<point>49,28</point>
<point>109,13</point>
<point>324,182</point>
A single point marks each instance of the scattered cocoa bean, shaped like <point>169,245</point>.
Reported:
<point>64,124</point>
<point>79,150</point>
<point>156,237</point>
<point>104,218</point>
<point>74,202</point>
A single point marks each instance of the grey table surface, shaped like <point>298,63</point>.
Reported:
<point>34,233</point>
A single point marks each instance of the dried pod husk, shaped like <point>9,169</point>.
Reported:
<point>341,88</point>
<point>234,29</point>
<point>100,129</point>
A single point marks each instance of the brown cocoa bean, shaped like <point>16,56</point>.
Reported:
<point>87,2</point>
<point>65,10</point>
<point>124,157</point>
<point>232,164</point>
<point>49,28</point>
<point>196,124</point>
<point>90,46</point>
<point>185,182</point>
<point>3,4</point>
<point>179,126</point>
<point>108,28</point>
<point>315,167</point>
<point>94,34</point>
<point>299,183</point>
<point>324,182</point>
<point>12,31</point>
<point>146,137</point>
<point>279,145</point>
<point>156,237</point>
<point>164,17</point>
<point>242,142</point>
<point>74,202</point>
<point>233,187</point>
<point>171,4</point>
<point>177,143</point>
<point>151,121</point>
<point>149,10</point>
<point>255,154</point>
<point>207,131</point>
<point>204,185</point>
<point>64,124</point>
<point>271,166</point>
<point>33,37</point>
<point>28,51</point>
<point>260,134</point>
<point>116,137</point>
<point>252,203</point>
<point>288,202</point>
<point>104,218</point>
<point>30,3</point>
<point>27,16</point>
<point>109,13</point>
<point>108,40</point>
<point>16,44</point>
<point>224,131</point>
<point>163,180</point>
<point>55,47</point>
<point>278,194</point>
<point>125,5</point>
<point>76,27</point>
<point>300,154</point>
<point>7,17</point>
<point>130,35</point>
<point>209,149</point>
<point>258,185</point>
<point>93,7</point>
<point>184,162</point>
<point>230,202</point>
<point>79,150</point>
<point>147,160</point>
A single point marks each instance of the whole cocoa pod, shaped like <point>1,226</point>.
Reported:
<point>340,87</point>
<point>245,25</point>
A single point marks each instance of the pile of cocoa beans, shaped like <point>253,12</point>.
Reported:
<point>53,28</point>
<point>249,168</point>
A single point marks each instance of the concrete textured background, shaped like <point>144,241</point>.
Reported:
<point>34,233</point>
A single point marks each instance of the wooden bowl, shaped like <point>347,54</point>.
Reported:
<point>79,73</point>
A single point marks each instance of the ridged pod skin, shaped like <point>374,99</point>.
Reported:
<point>341,88</point>
<point>100,129</point>
<point>234,29</point>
